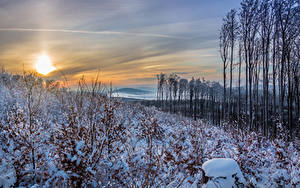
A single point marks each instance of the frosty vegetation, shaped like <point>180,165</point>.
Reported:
<point>53,136</point>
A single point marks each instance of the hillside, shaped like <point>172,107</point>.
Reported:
<point>133,91</point>
<point>52,136</point>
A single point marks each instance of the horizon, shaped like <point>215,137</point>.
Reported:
<point>128,43</point>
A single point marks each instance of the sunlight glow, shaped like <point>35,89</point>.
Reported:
<point>44,65</point>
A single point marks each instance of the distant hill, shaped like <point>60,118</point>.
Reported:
<point>132,91</point>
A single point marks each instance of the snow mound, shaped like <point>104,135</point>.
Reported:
<point>222,172</point>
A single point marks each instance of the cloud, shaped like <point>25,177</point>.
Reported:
<point>130,42</point>
<point>92,32</point>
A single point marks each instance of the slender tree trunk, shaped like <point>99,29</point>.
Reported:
<point>224,90</point>
<point>274,76</point>
<point>231,67</point>
<point>250,98</point>
<point>247,78</point>
<point>290,104</point>
<point>267,86</point>
<point>239,100</point>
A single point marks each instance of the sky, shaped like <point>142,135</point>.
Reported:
<point>127,42</point>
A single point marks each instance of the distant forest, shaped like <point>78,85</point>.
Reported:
<point>259,46</point>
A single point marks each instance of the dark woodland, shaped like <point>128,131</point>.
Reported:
<point>259,47</point>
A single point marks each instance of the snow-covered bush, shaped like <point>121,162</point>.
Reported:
<point>52,136</point>
<point>7,174</point>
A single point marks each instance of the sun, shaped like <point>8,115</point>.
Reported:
<point>44,65</point>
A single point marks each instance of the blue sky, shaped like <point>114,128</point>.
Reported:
<point>128,41</point>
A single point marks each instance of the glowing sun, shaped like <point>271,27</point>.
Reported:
<point>44,65</point>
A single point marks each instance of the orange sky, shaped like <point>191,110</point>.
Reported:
<point>128,42</point>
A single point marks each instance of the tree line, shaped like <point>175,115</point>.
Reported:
<point>198,98</point>
<point>259,47</point>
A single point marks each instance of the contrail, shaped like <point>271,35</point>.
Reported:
<point>91,32</point>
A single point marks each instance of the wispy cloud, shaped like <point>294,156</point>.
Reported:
<point>92,32</point>
<point>129,41</point>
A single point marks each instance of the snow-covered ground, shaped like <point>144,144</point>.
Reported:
<point>222,172</point>
<point>51,137</point>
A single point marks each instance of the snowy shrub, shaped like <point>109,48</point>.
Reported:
<point>7,174</point>
<point>52,136</point>
<point>24,145</point>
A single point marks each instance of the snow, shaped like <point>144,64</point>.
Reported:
<point>221,167</point>
<point>223,171</point>
<point>7,174</point>
<point>146,147</point>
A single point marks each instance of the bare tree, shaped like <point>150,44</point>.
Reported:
<point>266,25</point>
<point>249,27</point>
<point>161,78</point>
<point>192,93</point>
<point>232,29</point>
<point>182,93</point>
<point>239,85</point>
<point>224,47</point>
